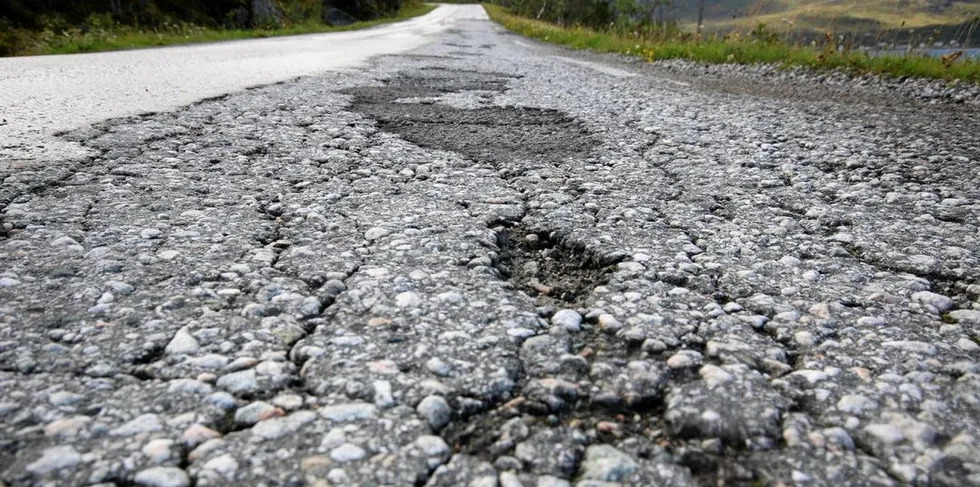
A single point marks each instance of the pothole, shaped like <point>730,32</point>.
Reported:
<point>555,273</point>
<point>491,135</point>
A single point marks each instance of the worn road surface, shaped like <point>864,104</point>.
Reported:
<point>486,262</point>
<point>42,96</point>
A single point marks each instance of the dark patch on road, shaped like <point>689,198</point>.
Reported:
<point>557,274</point>
<point>491,135</point>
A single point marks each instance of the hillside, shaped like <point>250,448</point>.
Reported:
<point>952,19</point>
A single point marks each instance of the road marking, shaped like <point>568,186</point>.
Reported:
<point>620,73</point>
<point>606,69</point>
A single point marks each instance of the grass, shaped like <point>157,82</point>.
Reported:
<point>757,48</point>
<point>118,37</point>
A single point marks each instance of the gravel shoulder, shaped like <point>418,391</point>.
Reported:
<point>488,262</point>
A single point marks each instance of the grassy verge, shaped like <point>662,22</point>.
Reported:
<point>117,37</point>
<point>741,50</point>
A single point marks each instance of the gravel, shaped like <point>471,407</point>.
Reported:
<point>480,264</point>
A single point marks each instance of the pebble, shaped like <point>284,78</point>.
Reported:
<point>550,481</point>
<point>142,424</point>
<point>510,479</point>
<point>288,402</point>
<point>684,359</point>
<point>606,463</point>
<point>239,383</point>
<point>438,367</point>
<point>376,233</point>
<point>715,376</point>
<point>967,345</point>
<point>158,450</point>
<point>911,346</point>
<point>569,319</point>
<point>938,301</point>
<point>197,434</point>
<point>55,458</point>
<point>8,282</point>
<point>226,465</point>
<point>67,427</point>
<point>64,398</point>
<point>407,299</point>
<point>183,343</point>
<point>609,324</point>
<point>966,316</point>
<point>150,233</point>
<point>342,413</point>
<point>855,404</point>
<point>347,453</point>
<point>383,397</point>
<point>64,242</point>
<point>885,433</point>
<point>162,477</point>
<point>255,412</point>
<point>436,411</point>
<point>277,427</point>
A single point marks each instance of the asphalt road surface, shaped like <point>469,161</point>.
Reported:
<point>487,262</point>
<point>42,96</point>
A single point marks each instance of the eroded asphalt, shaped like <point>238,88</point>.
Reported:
<point>482,264</point>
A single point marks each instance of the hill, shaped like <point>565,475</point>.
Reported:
<point>895,20</point>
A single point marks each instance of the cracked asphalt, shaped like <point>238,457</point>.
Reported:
<point>487,262</point>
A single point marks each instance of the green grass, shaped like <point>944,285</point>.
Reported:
<point>653,46</point>
<point>118,37</point>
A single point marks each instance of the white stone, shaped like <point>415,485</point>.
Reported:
<point>855,404</point>
<point>142,424</point>
<point>968,316</point>
<point>271,429</point>
<point>349,412</point>
<point>223,464</point>
<point>606,464</point>
<point>885,433</point>
<point>438,367</point>
<point>55,458</point>
<point>684,359</point>
<point>407,299</point>
<point>911,346</point>
<point>157,450</point>
<point>569,319</point>
<point>163,477</point>
<point>715,376</point>
<point>967,345</point>
<point>383,397</point>
<point>938,301</point>
<point>376,233</point>
<point>435,410</point>
<point>347,452</point>
<point>183,343</point>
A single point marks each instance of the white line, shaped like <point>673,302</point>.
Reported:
<point>599,67</point>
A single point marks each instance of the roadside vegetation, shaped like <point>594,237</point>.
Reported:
<point>73,27</point>
<point>604,29</point>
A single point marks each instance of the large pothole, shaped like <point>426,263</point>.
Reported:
<point>488,134</point>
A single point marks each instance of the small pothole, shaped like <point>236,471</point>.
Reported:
<point>542,267</point>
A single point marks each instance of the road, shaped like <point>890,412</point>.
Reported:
<point>488,262</point>
<point>42,96</point>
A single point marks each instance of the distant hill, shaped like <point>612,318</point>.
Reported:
<point>951,19</point>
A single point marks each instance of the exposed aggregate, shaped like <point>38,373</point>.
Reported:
<point>481,265</point>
